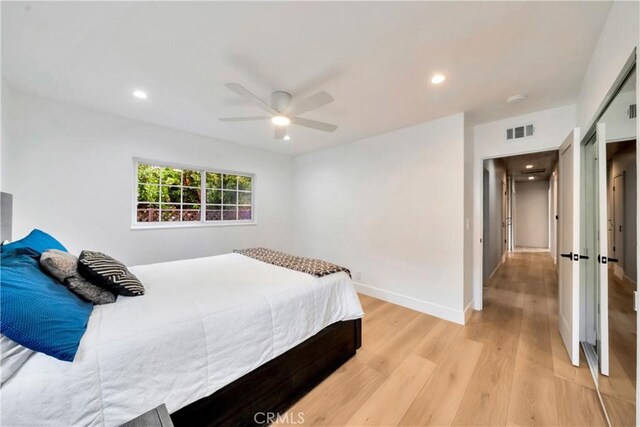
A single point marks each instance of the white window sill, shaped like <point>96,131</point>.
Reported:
<point>159,226</point>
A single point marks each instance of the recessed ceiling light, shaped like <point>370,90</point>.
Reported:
<point>280,120</point>
<point>437,79</point>
<point>287,137</point>
<point>529,166</point>
<point>531,178</point>
<point>516,98</point>
<point>140,94</point>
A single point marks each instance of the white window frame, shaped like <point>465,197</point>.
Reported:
<point>135,225</point>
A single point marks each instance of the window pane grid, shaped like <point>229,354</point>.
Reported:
<point>168,194</point>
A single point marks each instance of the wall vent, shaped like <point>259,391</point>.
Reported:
<point>520,132</point>
<point>632,111</point>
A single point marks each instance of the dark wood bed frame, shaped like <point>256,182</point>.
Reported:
<point>275,386</point>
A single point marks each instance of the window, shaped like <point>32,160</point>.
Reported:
<point>176,195</point>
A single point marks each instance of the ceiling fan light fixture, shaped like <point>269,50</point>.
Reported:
<point>529,166</point>
<point>280,120</point>
<point>437,79</point>
<point>140,94</point>
<point>517,97</point>
<point>531,178</point>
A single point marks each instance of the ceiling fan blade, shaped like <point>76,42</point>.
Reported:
<point>242,91</point>
<point>280,132</point>
<point>314,124</point>
<point>243,119</point>
<point>311,103</point>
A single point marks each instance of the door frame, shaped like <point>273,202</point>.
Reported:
<point>478,252</point>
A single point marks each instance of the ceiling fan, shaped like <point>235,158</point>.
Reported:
<point>283,111</point>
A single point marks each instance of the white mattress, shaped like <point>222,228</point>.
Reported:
<point>202,324</point>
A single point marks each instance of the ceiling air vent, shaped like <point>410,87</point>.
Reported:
<point>632,111</point>
<point>520,132</point>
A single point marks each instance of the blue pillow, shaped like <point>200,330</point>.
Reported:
<point>37,240</point>
<point>37,311</point>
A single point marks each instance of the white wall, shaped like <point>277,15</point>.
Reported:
<point>531,219</point>
<point>619,37</point>
<point>618,125</point>
<point>495,244</point>
<point>391,208</point>
<point>70,171</point>
<point>552,127</point>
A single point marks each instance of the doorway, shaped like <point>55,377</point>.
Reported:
<point>520,199</point>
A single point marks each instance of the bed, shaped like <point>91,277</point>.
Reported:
<point>206,331</point>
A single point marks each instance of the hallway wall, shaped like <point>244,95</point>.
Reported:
<point>531,219</point>
<point>494,245</point>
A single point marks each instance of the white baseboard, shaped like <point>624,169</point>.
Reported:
<point>446,313</point>
<point>468,311</point>
<point>496,269</point>
<point>618,271</point>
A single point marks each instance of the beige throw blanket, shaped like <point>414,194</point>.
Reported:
<point>315,267</point>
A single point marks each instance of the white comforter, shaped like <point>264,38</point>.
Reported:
<point>202,324</point>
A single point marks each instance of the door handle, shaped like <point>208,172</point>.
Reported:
<point>584,257</point>
<point>569,255</point>
<point>604,259</point>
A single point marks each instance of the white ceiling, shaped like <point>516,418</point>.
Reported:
<point>376,59</point>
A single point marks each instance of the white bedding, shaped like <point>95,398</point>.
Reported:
<point>202,324</point>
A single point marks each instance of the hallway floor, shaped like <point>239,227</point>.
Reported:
<point>507,366</point>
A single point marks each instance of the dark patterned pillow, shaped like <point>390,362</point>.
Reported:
<point>64,267</point>
<point>109,273</point>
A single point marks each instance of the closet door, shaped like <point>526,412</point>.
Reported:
<point>603,250</point>
<point>569,243</point>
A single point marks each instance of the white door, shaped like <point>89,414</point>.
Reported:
<point>603,250</point>
<point>569,243</point>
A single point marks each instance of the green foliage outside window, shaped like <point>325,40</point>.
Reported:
<point>173,194</point>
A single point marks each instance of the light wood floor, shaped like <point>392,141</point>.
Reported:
<point>507,366</point>
<point>619,388</point>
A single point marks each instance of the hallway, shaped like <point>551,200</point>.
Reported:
<point>507,366</point>
<point>522,298</point>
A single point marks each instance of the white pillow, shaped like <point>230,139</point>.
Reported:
<point>12,357</point>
